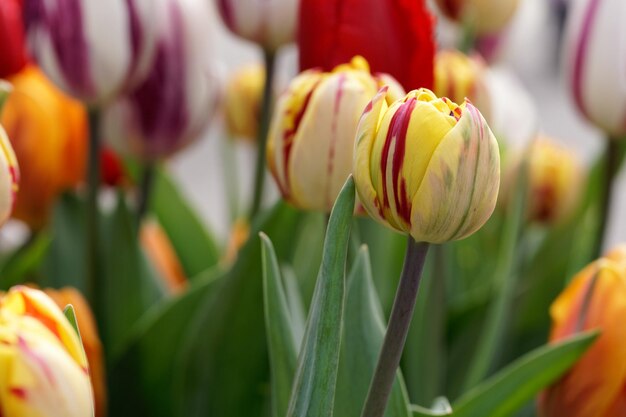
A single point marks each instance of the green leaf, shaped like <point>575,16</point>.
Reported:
<point>314,384</point>
<point>64,264</point>
<point>363,333</point>
<point>282,341</point>
<point>143,374</point>
<point>194,245</point>
<point>510,389</point>
<point>222,367</point>
<point>24,264</point>
<point>308,253</point>
<point>70,315</point>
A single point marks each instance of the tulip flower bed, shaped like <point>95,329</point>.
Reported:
<point>412,262</point>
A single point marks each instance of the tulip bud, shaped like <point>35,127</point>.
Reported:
<point>426,166</point>
<point>594,299</point>
<point>311,139</point>
<point>90,339</point>
<point>12,48</point>
<point>594,55</point>
<point>458,76</point>
<point>242,101</point>
<point>9,170</point>
<point>172,106</point>
<point>44,371</point>
<point>160,251</point>
<point>482,16</point>
<point>555,181</point>
<point>91,49</point>
<point>37,109</point>
<point>270,23</point>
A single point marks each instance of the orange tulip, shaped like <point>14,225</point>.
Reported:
<point>48,131</point>
<point>160,251</point>
<point>91,341</point>
<point>595,299</point>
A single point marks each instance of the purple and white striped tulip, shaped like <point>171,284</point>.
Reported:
<point>595,62</point>
<point>270,23</point>
<point>92,49</point>
<point>173,105</point>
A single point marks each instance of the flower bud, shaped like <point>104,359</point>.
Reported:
<point>311,139</point>
<point>594,299</point>
<point>44,371</point>
<point>9,172</point>
<point>555,181</point>
<point>172,106</point>
<point>12,47</point>
<point>458,76</point>
<point>426,166</point>
<point>242,101</point>
<point>156,244</point>
<point>91,49</point>
<point>90,339</point>
<point>270,23</point>
<point>483,16</point>
<point>594,55</point>
<point>37,109</point>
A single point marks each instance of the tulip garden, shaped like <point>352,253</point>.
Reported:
<point>406,238</point>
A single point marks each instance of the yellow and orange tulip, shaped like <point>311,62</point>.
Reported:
<point>595,299</point>
<point>43,368</point>
<point>311,139</point>
<point>426,166</point>
<point>48,131</point>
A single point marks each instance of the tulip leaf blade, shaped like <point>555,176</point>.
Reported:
<point>316,377</point>
<point>281,336</point>
<point>70,315</point>
<point>363,334</point>
<point>513,386</point>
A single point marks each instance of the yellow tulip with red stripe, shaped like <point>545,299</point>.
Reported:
<point>311,139</point>
<point>459,76</point>
<point>43,369</point>
<point>9,170</point>
<point>594,299</point>
<point>426,166</point>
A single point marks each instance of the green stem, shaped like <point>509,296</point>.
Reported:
<point>612,161</point>
<point>264,124</point>
<point>145,190</point>
<point>493,333</point>
<point>397,330</point>
<point>92,217</point>
<point>231,179</point>
<point>468,38</point>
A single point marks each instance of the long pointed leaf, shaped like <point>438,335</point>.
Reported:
<point>511,388</point>
<point>363,335</point>
<point>282,339</point>
<point>314,385</point>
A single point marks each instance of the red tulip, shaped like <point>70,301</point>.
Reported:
<point>12,46</point>
<point>395,36</point>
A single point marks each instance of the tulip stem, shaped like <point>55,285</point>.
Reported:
<point>264,124</point>
<point>612,162</point>
<point>397,330</point>
<point>145,190</point>
<point>92,213</point>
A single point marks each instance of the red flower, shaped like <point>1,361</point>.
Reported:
<point>112,170</point>
<point>395,36</point>
<point>12,46</point>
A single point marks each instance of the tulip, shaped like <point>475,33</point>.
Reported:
<point>594,299</point>
<point>160,251</point>
<point>426,166</point>
<point>12,47</point>
<point>90,339</point>
<point>482,16</point>
<point>555,181</point>
<point>594,53</point>
<point>269,23</point>
<point>394,36</point>
<point>9,170</point>
<point>112,170</point>
<point>311,140</point>
<point>43,367</point>
<point>242,101</point>
<point>92,49</point>
<point>37,109</point>
<point>171,107</point>
<point>458,76</point>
